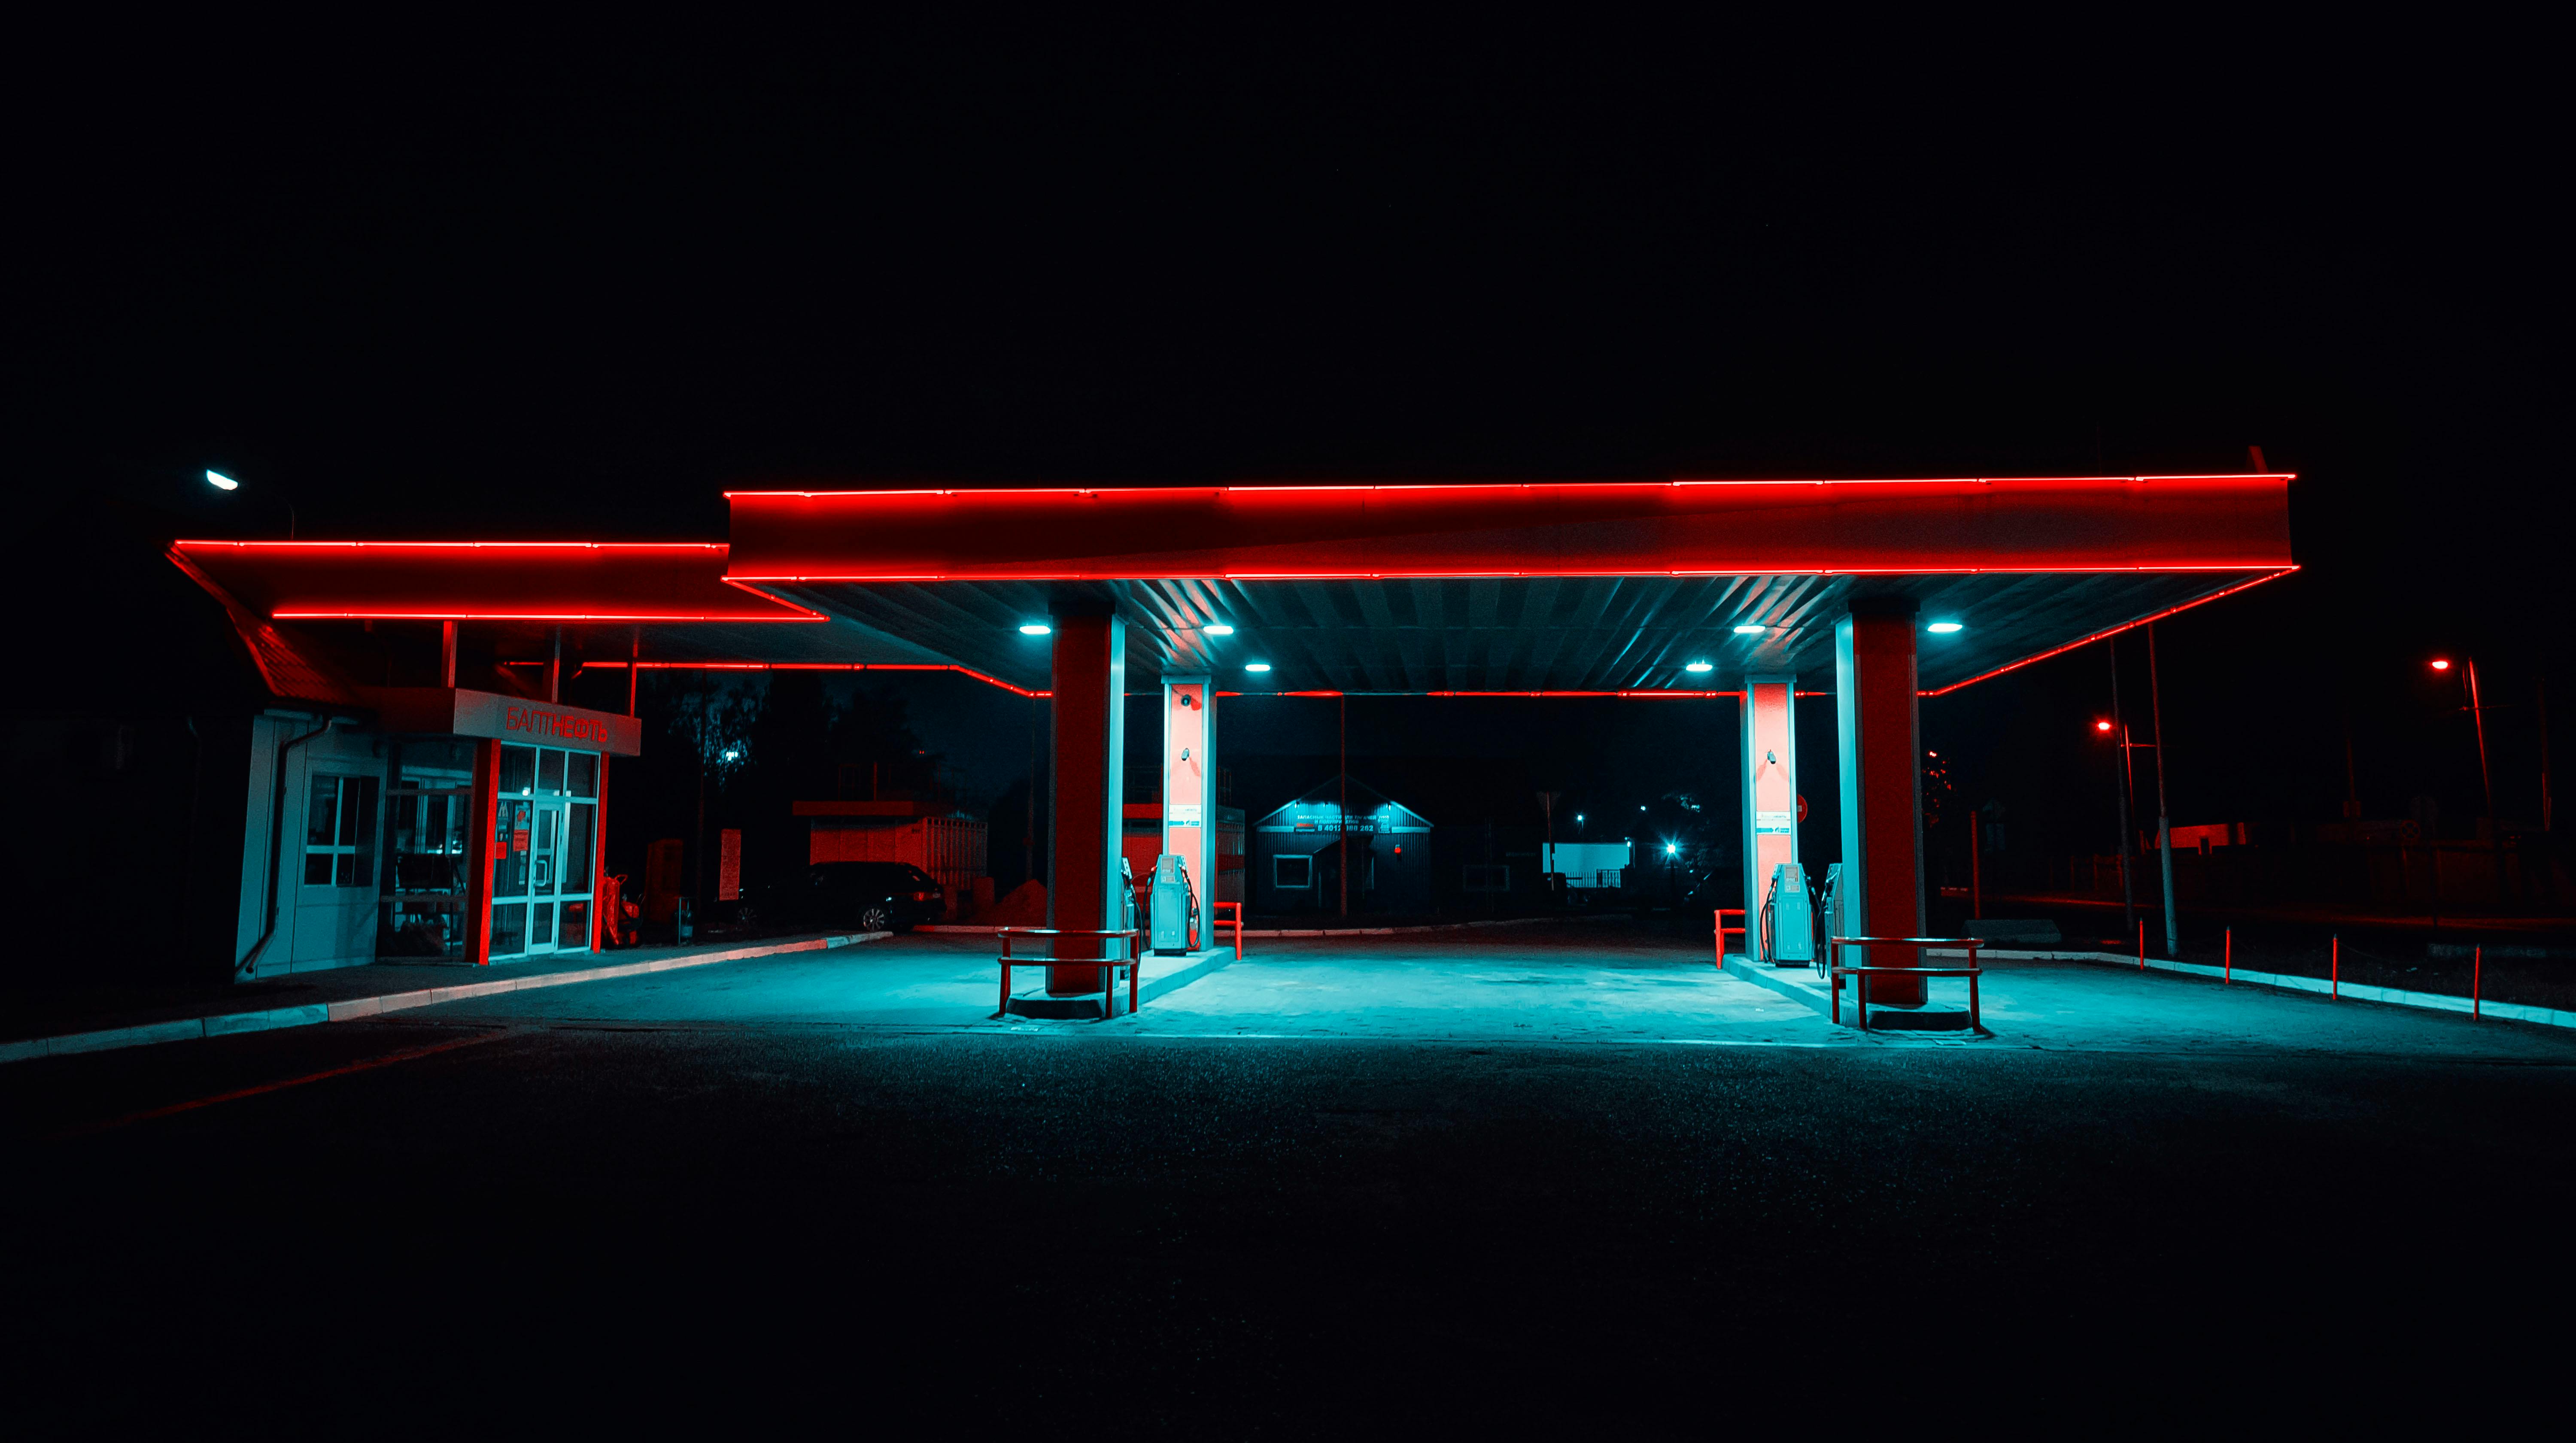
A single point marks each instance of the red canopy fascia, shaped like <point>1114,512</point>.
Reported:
<point>2033,524</point>
<point>533,581</point>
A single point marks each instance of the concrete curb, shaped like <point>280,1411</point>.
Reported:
<point>2292,982</point>
<point>191,1028</point>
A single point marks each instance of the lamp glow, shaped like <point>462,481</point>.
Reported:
<point>1671,847</point>
<point>1698,666</point>
<point>2101,726</point>
<point>1218,628</point>
<point>2441,663</point>
<point>222,482</point>
<point>1034,628</point>
<point>1942,628</point>
<point>1750,628</point>
<point>1256,666</point>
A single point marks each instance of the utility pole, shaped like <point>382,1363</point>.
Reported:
<point>2544,759</point>
<point>2164,818</point>
<point>2120,724</point>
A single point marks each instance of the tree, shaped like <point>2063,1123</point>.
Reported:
<point>708,717</point>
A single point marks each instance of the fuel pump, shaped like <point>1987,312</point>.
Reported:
<point>1788,919</point>
<point>1829,910</point>
<point>1126,896</point>
<point>1175,908</point>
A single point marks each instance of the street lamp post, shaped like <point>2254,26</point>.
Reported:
<point>2128,781</point>
<point>2486,779</point>
<point>2164,818</point>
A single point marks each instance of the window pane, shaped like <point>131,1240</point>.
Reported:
<point>576,866</point>
<point>510,848</point>
<point>546,854</point>
<point>317,869</point>
<point>541,923</point>
<point>575,935</point>
<point>581,774</point>
<point>518,770</point>
<point>323,819</point>
<point>358,815</point>
<point>509,928</point>
<point>550,770</point>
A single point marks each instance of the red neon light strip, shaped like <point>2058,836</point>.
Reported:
<point>2059,570</point>
<point>2111,632</point>
<point>619,616</point>
<point>1513,485</point>
<point>803,666</point>
<point>463,545</point>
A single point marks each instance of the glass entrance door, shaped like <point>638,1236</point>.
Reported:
<point>545,874</point>
<point>547,819</point>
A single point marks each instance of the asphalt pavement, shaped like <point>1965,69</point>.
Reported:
<point>784,1193</point>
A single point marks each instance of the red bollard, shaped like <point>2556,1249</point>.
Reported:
<point>2142,946</point>
<point>2477,974</point>
<point>2334,968</point>
<point>2228,977</point>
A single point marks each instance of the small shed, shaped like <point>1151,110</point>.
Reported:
<point>950,848</point>
<point>1298,853</point>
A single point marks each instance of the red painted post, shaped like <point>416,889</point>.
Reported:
<point>1880,727</point>
<point>2228,977</point>
<point>1090,674</point>
<point>2142,946</point>
<point>2334,967</point>
<point>484,816</point>
<point>2477,976</point>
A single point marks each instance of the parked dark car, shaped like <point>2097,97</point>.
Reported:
<point>860,896</point>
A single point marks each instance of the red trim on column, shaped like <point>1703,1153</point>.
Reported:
<point>478,853</point>
<point>599,855</point>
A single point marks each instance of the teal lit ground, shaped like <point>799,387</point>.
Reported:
<point>1570,1181</point>
<point>1597,982</point>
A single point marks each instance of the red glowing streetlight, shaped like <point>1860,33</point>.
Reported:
<point>2101,725</point>
<point>2486,779</point>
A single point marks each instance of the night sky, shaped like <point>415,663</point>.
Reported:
<point>575,284</point>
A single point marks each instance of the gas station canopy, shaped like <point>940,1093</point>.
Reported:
<point>1561,587</point>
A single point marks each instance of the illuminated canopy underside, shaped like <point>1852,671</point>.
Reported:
<point>1507,588</point>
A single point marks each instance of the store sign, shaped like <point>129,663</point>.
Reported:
<point>1770,824</point>
<point>513,719</point>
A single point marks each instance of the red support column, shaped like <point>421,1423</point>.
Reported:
<point>1090,705</point>
<point>482,815</point>
<point>1879,737</point>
